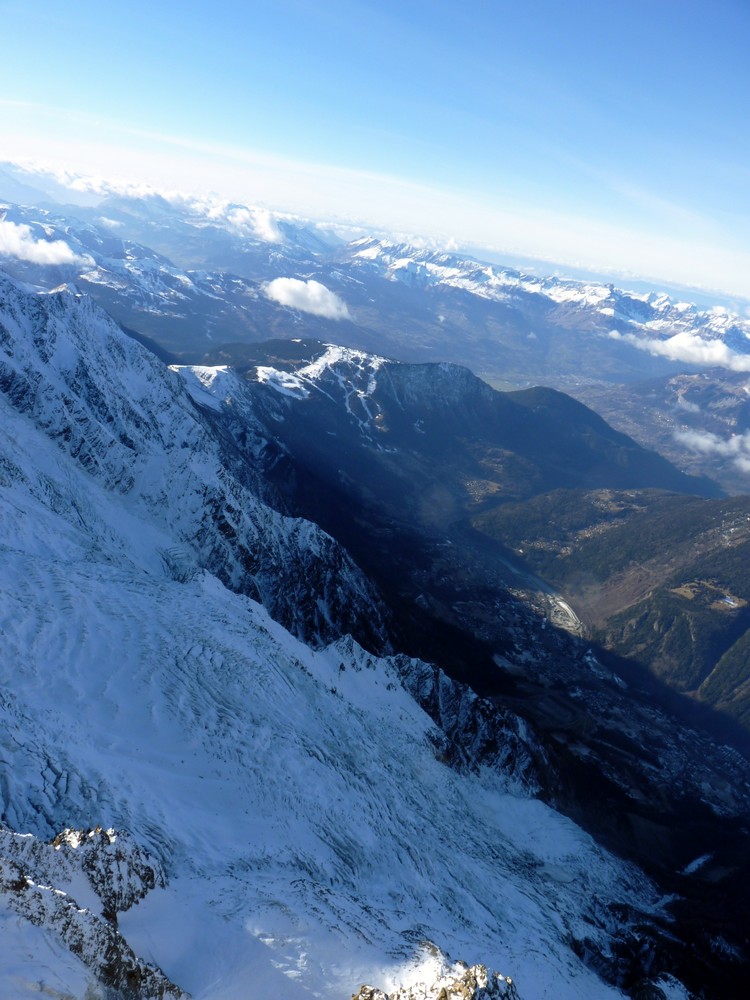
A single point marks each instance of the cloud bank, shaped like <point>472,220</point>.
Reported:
<point>257,222</point>
<point>18,241</point>
<point>307,296</point>
<point>690,349</point>
<point>736,447</point>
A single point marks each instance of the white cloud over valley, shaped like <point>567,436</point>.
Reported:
<point>257,222</point>
<point>307,296</point>
<point>736,447</point>
<point>690,349</point>
<point>18,241</point>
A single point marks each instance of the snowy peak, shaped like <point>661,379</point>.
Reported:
<point>188,280</point>
<point>347,392</point>
<point>195,276</point>
<point>354,371</point>
<point>343,399</point>
<point>249,225</point>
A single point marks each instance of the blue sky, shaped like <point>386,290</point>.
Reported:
<point>604,133</point>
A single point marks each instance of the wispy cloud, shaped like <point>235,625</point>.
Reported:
<point>687,405</point>
<point>307,296</point>
<point>18,241</point>
<point>677,216</point>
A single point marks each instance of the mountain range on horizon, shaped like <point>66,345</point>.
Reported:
<point>200,278</point>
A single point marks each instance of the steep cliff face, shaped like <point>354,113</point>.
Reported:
<point>470,727</point>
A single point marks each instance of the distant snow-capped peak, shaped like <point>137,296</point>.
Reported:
<point>653,314</point>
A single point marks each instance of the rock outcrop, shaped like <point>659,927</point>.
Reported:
<point>476,982</point>
<point>109,873</point>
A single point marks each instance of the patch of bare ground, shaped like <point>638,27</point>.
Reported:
<point>596,603</point>
<point>597,600</point>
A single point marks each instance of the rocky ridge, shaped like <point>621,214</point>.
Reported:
<point>74,887</point>
<point>475,983</point>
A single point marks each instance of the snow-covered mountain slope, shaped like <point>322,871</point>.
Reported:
<point>295,799</point>
<point>129,423</point>
<point>299,803</point>
<point>514,444</point>
<point>395,460</point>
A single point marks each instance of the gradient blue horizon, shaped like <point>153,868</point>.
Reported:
<point>633,114</point>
